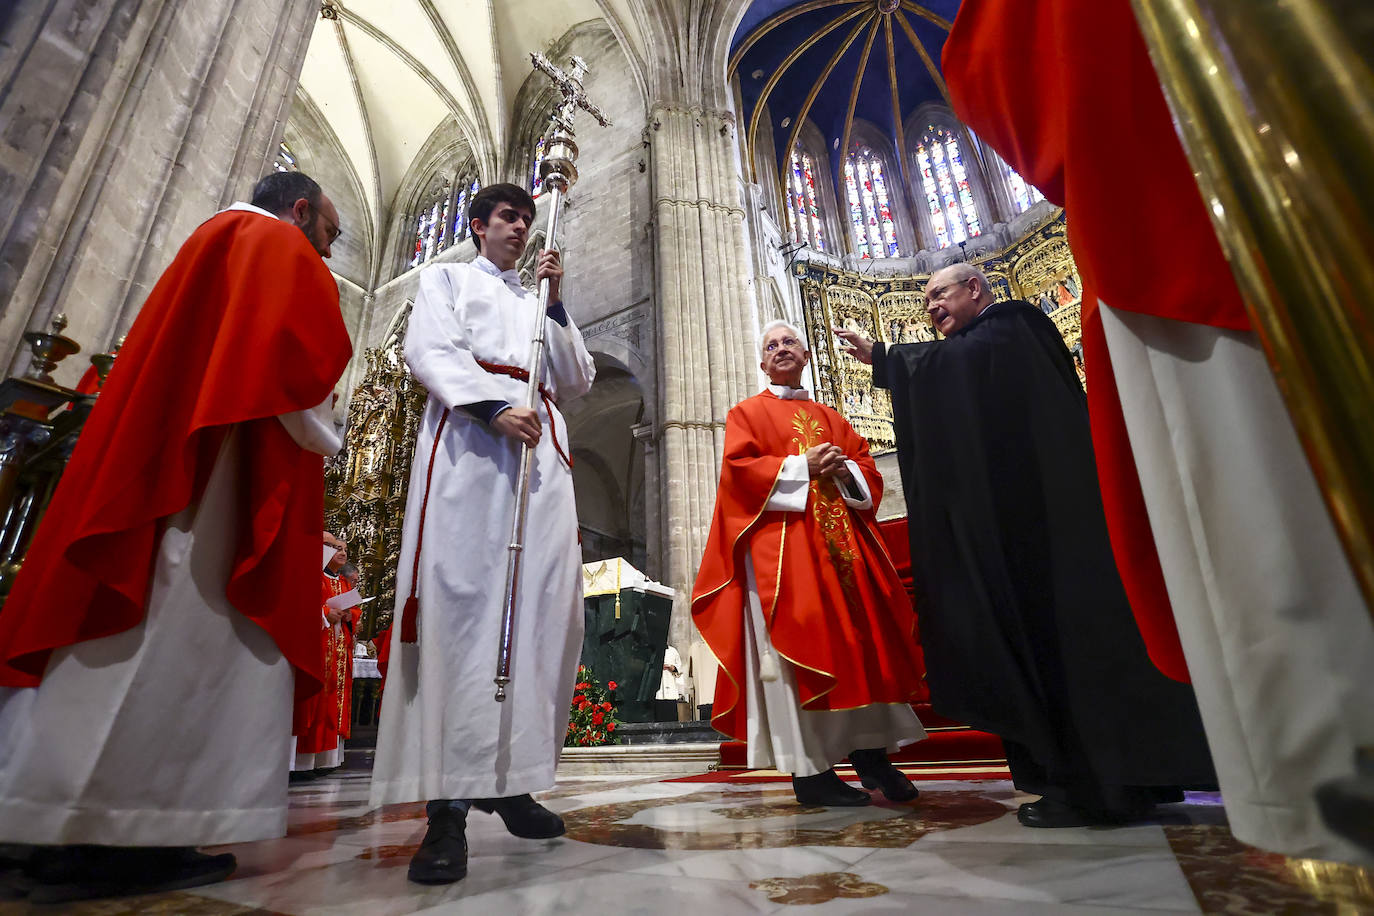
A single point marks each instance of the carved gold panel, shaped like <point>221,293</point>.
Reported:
<point>365,484</point>
<point>1039,268</point>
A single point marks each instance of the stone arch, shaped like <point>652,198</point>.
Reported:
<point>447,155</point>
<point>609,465</point>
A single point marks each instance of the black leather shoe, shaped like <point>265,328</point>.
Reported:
<point>63,874</point>
<point>443,854</point>
<point>1050,813</point>
<point>875,771</point>
<point>524,816</point>
<point>829,790</point>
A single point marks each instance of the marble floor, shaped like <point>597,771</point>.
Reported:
<point>644,845</point>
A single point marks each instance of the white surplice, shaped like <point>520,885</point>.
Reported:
<point>781,734</point>
<point>442,734</point>
<point>176,732</point>
<point>1277,639</point>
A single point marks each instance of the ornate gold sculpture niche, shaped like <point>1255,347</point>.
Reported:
<point>1039,269</point>
<point>365,484</point>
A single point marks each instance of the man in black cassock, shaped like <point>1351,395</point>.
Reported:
<point>1025,625</point>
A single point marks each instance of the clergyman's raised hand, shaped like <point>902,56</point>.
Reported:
<point>860,347</point>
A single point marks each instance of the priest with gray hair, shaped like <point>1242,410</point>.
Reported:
<point>1025,625</point>
<point>798,599</point>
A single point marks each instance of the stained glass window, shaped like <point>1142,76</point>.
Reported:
<point>804,214</point>
<point>1023,194</point>
<point>946,188</point>
<point>443,221</point>
<point>286,160</point>
<point>537,186</point>
<point>870,207</point>
<point>460,214</point>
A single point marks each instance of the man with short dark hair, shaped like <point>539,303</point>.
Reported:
<point>1025,625</point>
<point>443,737</point>
<point>295,198</point>
<point>167,603</point>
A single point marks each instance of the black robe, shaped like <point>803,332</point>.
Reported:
<point>1025,625</point>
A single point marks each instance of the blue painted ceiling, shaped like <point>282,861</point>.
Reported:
<point>915,84</point>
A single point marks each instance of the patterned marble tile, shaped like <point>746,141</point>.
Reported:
<point>1128,877</point>
<point>639,845</point>
<point>1233,879</point>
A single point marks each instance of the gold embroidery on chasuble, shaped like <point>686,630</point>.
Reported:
<point>828,508</point>
<point>342,650</point>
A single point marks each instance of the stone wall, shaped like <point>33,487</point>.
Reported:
<point>127,124</point>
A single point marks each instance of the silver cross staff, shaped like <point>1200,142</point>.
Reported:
<point>558,172</point>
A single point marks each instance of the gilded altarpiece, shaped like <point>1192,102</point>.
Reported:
<point>1039,269</point>
<point>365,484</point>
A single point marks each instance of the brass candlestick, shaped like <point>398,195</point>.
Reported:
<point>49,349</point>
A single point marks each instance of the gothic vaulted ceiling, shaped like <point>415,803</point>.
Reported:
<point>386,73</point>
<point>837,62</point>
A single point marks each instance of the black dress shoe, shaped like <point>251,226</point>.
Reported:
<point>524,816</point>
<point>62,874</point>
<point>1050,813</point>
<point>443,854</point>
<point>875,771</point>
<point>829,790</point>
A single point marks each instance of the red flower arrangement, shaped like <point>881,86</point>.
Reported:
<point>591,722</point>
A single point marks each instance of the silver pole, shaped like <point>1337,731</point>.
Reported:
<point>559,172</point>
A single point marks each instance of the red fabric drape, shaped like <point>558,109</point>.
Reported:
<point>1065,92</point>
<point>242,327</point>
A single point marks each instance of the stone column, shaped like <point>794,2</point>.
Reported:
<point>706,324</point>
<point>128,123</point>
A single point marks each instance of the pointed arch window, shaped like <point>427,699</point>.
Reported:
<point>945,186</point>
<point>460,216</point>
<point>536,184</point>
<point>286,160</point>
<point>442,222</point>
<point>1023,194</point>
<point>803,210</point>
<point>870,208</point>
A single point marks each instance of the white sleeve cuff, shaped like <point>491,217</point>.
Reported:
<point>793,485</point>
<point>856,495</point>
<point>315,430</point>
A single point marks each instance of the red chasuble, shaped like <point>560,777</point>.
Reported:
<point>319,721</point>
<point>244,326</point>
<point>831,598</point>
<point>1065,91</point>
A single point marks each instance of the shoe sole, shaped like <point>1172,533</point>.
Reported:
<point>875,786</point>
<point>436,879</point>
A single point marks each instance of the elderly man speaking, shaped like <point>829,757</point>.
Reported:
<point>798,599</point>
<point>1025,625</point>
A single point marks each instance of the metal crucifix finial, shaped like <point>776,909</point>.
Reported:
<point>558,172</point>
<point>570,84</point>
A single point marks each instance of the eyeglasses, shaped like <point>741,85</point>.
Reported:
<point>334,230</point>
<point>790,342</point>
<point>940,292</point>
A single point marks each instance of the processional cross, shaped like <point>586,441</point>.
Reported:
<point>558,171</point>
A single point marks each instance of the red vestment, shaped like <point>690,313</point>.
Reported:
<point>319,721</point>
<point>243,327</point>
<point>831,597</point>
<point>1065,91</point>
